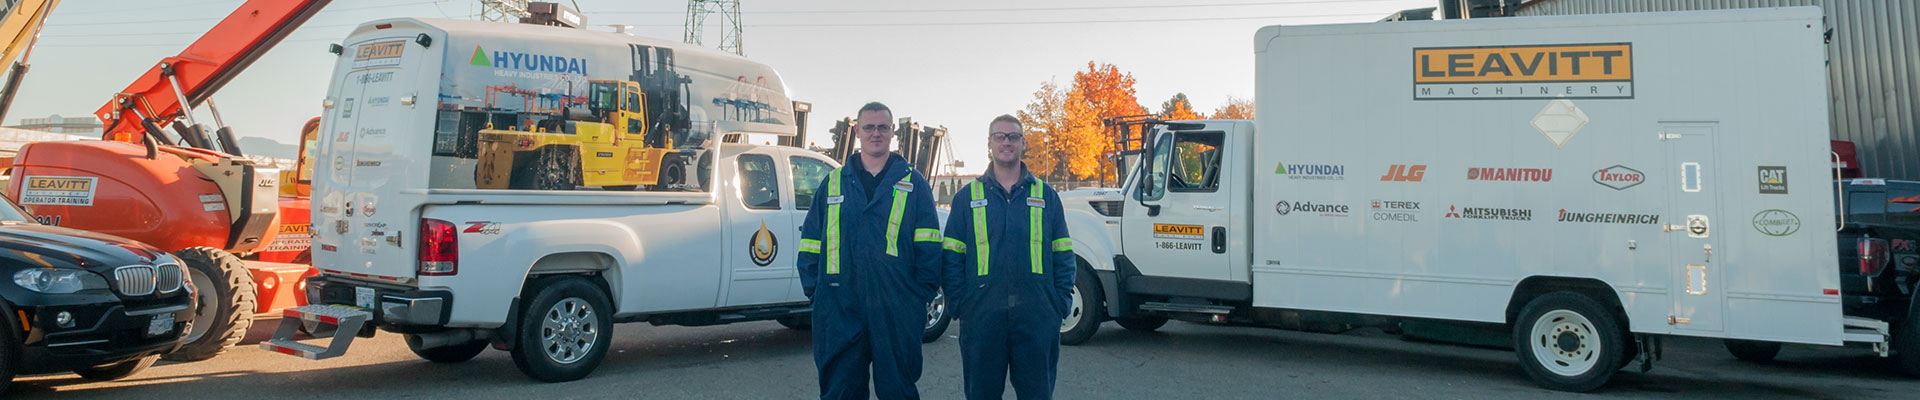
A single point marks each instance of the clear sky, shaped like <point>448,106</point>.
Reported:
<point>951,63</point>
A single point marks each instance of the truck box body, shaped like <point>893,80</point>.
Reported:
<point>1425,169</point>
<point>409,101</point>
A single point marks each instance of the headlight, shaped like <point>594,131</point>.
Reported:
<point>58,281</point>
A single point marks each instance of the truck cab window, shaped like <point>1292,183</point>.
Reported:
<point>1196,162</point>
<point>1866,205</point>
<point>807,174</point>
<point>1155,185</point>
<point>759,183</point>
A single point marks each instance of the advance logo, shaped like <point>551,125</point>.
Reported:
<point>1325,210</point>
<point>1314,172</point>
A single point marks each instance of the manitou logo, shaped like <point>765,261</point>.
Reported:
<point>1619,177</point>
<point>1405,173</point>
<point>1510,174</point>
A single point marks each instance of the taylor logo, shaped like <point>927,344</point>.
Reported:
<point>1396,211</point>
<point>1175,231</point>
<point>1591,71</point>
<point>1619,177</point>
<point>1405,173</point>
<point>1318,172</point>
<point>1773,179</point>
<point>763,247</point>
<point>1776,222</point>
<point>1510,174</point>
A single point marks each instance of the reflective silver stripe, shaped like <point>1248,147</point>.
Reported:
<point>926,235</point>
<point>809,246</point>
<point>1063,244</point>
<point>955,245</point>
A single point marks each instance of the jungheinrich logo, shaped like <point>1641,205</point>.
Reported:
<point>1776,222</point>
<point>528,62</point>
<point>1326,210</point>
<point>1176,231</point>
<point>763,247</point>
<point>1489,213</point>
<point>1396,211</point>
<point>1317,172</point>
<point>1510,174</point>
<point>1618,177</point>
<point>1405,173</point>
<point>1607,218</point>
<point>1595,70</point>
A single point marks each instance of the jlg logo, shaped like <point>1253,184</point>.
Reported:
<point>1405,173</point>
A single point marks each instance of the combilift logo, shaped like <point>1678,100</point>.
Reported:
<point>1405,173</point>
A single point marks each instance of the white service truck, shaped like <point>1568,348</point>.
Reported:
<point>1588,184</point>
<point>515,186</point>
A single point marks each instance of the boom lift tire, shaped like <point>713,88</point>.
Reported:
<point>224,309</point>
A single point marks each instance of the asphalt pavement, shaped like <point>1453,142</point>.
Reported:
<point>763,360</point>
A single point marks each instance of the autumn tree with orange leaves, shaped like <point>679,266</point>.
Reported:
<point>1066,139</point>
<point>1236,108</point>
<point>1178,109</point>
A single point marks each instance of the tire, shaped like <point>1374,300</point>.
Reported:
<point>550,168</point>
<point>1145,323</point>
<point>454,354</point>
<point>225,305</point>
<point>1906,343</point>
<point>582,329</point>
<point>1753,351</point>
<point>1566,341</point>
<point>115,371</point>
<point>10,346</point>
<point>1087,311</point>
<point>939,316</point>
<point>798,323</point>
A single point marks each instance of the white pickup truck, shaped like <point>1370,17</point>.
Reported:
<point>588,219</point>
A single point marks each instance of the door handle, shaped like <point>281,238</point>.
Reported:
<point>1219,240</point>
<point>1209,208</point>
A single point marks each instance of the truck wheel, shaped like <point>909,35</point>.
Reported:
<point>1084,316</point>
<point>551,168</point>
<point>564,332</point>
<point>1906,343</point>
<point>115,371</point>
<point>938,317</point>
<point>1145,323</point>
<point>798,323</point>
<point>1753,351</point>
<point>458,353</point>
<point>10,346</point>
<point>1566,341</point>
<point>223,305</point>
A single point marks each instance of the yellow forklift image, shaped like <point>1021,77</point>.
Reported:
<point>613,149</point>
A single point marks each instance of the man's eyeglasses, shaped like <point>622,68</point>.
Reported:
<point>1005,136</point>
<point>870,128</point>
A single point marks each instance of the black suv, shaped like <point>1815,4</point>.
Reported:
<point>97,305</point>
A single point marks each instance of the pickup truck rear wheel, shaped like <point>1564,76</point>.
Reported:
<point>1084,316</point>
<point>1145,323</point>
<point>448,354</point>
<point>1568,341</point>
<point>1753,351</point>
<point>938,317</point>
<point>224,303</point>
<point>118,370</point>
<point>798,323</point>
<point>1906,342</point>
<point>10,346</point>
<point>564,332</point>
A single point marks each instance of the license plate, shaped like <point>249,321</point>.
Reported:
<point>363,297</point>
<point>160,325</point>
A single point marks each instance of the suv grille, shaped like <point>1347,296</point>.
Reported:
<point>168,278</point>
<point>136,280</point>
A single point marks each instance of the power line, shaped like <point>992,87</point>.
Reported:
<point>1081,8</point>
<point>1065,22</point>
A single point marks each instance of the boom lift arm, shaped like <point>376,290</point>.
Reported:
<point>166,94</point>
<point>22,26</point>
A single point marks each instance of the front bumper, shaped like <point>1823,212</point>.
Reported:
<point>103,329</point>
<point>394,307</point>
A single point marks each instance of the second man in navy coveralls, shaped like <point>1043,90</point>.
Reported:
<point>1010,266</point>
<point>870,260</point>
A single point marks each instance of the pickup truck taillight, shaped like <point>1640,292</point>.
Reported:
<point>439,248</point>
<point>1873,256</point>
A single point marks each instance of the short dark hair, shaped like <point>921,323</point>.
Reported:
<point>1005,118</point>
<point>875,106</point>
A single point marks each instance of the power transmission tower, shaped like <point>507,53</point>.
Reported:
<point>503,10</point>
<point>729,10</point>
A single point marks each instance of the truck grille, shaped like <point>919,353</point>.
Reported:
<point>168,279</point>
<point>136,280</point>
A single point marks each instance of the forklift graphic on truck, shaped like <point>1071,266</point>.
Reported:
<point>625,141</point>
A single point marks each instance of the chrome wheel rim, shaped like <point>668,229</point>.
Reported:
<point>1565,343</point>
<point>1075,313</point>
<point>936,309</point>
<point>569,330</point>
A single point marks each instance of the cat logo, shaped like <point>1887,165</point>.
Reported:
<point>763,247</point>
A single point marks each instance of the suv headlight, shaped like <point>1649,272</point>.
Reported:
<point>58,281</point>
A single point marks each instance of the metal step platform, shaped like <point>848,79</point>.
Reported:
<point>344,322</point>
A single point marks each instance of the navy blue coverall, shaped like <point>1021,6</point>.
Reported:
<point>1010,266</point>
<point>870,261</point>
